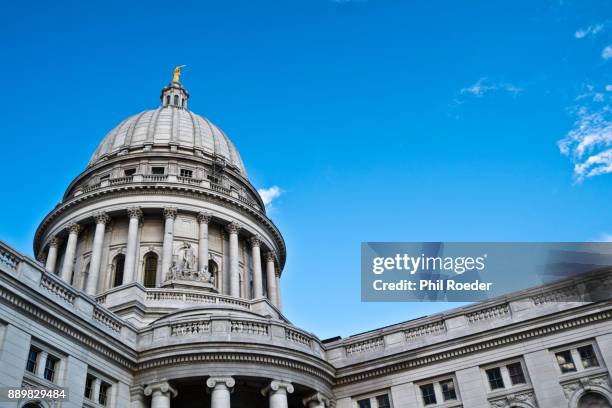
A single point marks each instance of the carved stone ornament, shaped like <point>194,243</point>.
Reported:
<point>162,386</point>
<point>255,241</point>
<point>134,212</point>
<point>316,399</point>
<point>170,212</point>
<point>73,228</point>
<point>233,227</point>
<point>101,218</point>
<point>526,398</point>
<point>54,242</point>
<point>204,217</point>
<point>270,256</point>
<point>277,385</point>
<point>584,383</point>
<point>212,382</point>
<point>184,264</point>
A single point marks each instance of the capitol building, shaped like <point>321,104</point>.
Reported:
<point>157,283</point>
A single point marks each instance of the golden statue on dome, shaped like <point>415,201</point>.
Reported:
<point>177,73</point>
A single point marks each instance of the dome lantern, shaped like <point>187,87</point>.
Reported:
<point>175,94</point>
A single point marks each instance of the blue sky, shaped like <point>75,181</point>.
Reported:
<point>378,120</point>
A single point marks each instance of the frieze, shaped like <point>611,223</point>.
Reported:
<point>525,398</point>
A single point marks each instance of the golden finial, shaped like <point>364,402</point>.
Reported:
<point>177,73</point>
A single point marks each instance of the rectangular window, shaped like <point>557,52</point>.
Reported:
<point>448,390</point>
<point>587,355</point>
<point>515,371</point>
<point>186,173</point>
<point>364,403</point>
<point>89,386</point>
<point>50,367</point>
<point>129,172</point>
<point>565,361</point>
<point>383,401</point>
<point>103,395</point>
<point>158,170</point>
<point>32,358</point>
<point>429,396</point>
<point>495,378</point>
<point>213,179</point>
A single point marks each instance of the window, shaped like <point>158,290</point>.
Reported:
<point>175,100</point>
<point>495,378</point>
<point>515,371</point>
<point>182,102</point>
<point>32,358</point>
<point>429,395</point>
<point>158,170</point>
<point>50,367</point>
<point>186,173</point>
<point>150,270</point>
<point>103,395</point>
<point>565,361</point>
<point>364,403</point>
<point>448,390</point>
<point>383,401</point>
<point>588,357</point>
<point>119,266</point>
<point>167,99</point>
<point>89,381</point>
<point>213,179</point>
<point>129,172</point>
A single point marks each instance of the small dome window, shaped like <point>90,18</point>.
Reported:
<point>167,99</point>
<point>175,100</point>
<point>119,265</point>
<point>182,102</point>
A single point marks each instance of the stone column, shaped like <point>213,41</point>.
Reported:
<point>220,394</point>
<point>257,275</point>
<point>70,251</point>
<point>132,245</point>
<point>203,219</point>
<point>161,392</point>
<point>279,299</point>
<point>170,216</point>
<point>316,401</point>
<point>233,229</point>
<point>52,255</point>
<point>96,253</point>
<point>277,393</point>
<point>271,277</point>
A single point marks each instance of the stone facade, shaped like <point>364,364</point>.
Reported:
<point>157,284</point>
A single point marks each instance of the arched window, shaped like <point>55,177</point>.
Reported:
<point>167,99</point>
<point>119,264</point>
<point>175,100</point>
<point>182,102</point>
<point>32,405</point>
<point>213,269</point>
<point>150,270</point>
<point>593,400</point>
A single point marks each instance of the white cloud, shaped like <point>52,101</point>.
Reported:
<point>607,52</point>
<point>609,87</point>
<point>484,86</point>
<point>268,195</point>
<point>605,237</point>
<point>590,30</point>
<point>589,143</point>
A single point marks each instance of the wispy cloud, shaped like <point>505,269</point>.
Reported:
<point>268,195</point>
<point>606,53</point>
<point>591,30</point>
<point>605,237</point>
<point>589,142</point>
<point>484,86</point>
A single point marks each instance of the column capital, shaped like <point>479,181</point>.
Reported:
<point>316,399</point>
<point>54,242</point>
<point>277,385</point>
<point>233,227</point>
<point>212,382</point>
<point>170,212</point>
<point>162,386</point>
<point>204,217</point>
<point>270,256</point>
<point>134,212</point>
<point>101,217</point>
<point>73,228</point>
<point>255,241</point>
<point>277,272</point>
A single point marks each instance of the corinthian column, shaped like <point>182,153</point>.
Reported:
<point>220,394</point>
<point>271,278</point>
<point>203,219</point>
<point>70,251</point>
<point>233,229</point>
<point>161,393</point>
<point>96,253</point>
<point>52,255</point>
<point>132,245</point>
<point>170,216</point>
<point>277,393</point>
<point>257,276</point>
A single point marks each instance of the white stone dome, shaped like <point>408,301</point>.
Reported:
<point>169,127</point>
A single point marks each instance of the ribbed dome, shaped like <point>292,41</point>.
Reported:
<point>169,126</point>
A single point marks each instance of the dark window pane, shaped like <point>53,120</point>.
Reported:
<point>158,170</point>
<point>429,396</point>
<point>383,401</point>
<point>175,100</point>
<point>186,173</point>
<point>495,378</point>
<point>119,266</point>
<point>364,403</point>
<point>32,357</point>
<point>103,395</point>
<point>565,361</point>
<point>129,172</point>
<point>89,386</point>
<point>587,355</point>
<point>167,99</point>
<point>515,370</point>
<point>150,272</point>
<point>50,367</point>
<point>448,390</point>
